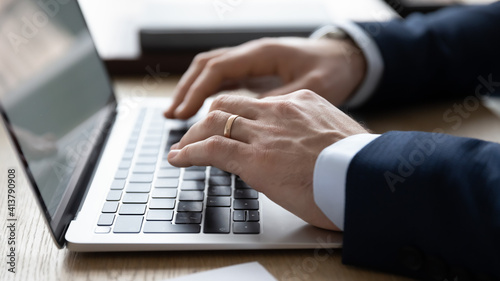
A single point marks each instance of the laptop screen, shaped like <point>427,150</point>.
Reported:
<point>54,93</point>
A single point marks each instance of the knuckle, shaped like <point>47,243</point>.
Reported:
<point>213,64</point>
<point>220,101</point>
<point>213,144</point>
<point>286,107</point>
<point>185,152</point>
<point>306,94</point>
<point>267,41</point>
<point>201,58</point>
<point>265,44</point>
<point>212,120</point>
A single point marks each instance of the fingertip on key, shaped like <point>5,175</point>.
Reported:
<point>173,153</point>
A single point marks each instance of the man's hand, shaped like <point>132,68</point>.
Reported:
<point>331,68</point>
<point>273,147</point>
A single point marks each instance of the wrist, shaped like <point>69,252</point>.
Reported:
<point>356,60</point>
<point>350,61</point>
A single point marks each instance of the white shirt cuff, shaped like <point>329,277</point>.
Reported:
<point>374,61</point>
<point>330,174</point>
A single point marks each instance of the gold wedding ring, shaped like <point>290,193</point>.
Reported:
<point>229,125</point>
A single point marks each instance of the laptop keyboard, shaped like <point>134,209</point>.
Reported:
<point>148,195</point>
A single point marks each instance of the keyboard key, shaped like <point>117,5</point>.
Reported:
<point>167,183</point>
<point>144,169</point>
<point>135,198</point>
<point>154,132</point>
<point>106,219</point>
<point>145,152</point>
<point>136,131</point>
<point>153,137</point>
<point>161,203</point>
<point>132,209</point>
<point>239,215</point>
<point>102,229</point>
<point>188,206</point>
<point>114,195</point>
<point>217,201</point>
<point>121,174</point>
<point>194,175</point>
<point>138,187</point>
<point>241,184</point>
<point>166,164</point>
<point>196,168</point>
<point>124,164</point>
<point>164,193</point>
<point>246,227</point>
<point>146,160</point>
<point>168,227</point>
<point>153,144</point>
<point>193,185</point>
<point>160,215</point>
<point>219,190</point>
<point>219,180</point>
<point>245,194</point>
<point>252,216</point>
<point>217,220</point>
<point>118,184</point>
<point>127,155</point>
<point>218,172</point>
<point>168,173</point>
<point>191,196</point>
<point>188,217</point>
<point>110,207</point>
<point>176,135</point>
<point>245,204</point>
<point>141,178</point>
<point>128,224</point>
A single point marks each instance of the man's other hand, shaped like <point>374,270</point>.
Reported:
<point>331,68</point>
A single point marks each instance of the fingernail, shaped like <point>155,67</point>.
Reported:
<point>173,153</point>
<point>174,146</point>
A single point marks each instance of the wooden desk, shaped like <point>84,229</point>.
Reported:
<point>39,258</point>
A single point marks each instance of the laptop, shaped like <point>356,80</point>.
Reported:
<point>98,167</point>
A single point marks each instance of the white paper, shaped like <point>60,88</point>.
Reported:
<point>242,272</point>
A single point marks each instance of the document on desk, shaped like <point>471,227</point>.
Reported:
<point>242,272</point>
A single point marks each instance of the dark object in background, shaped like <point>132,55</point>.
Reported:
<point>406,7</point>
<point>153,40</point>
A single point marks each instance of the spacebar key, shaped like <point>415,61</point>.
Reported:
<point>217,220</point>
<point>168,227</point>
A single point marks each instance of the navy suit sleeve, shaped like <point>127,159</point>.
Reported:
<point>424,205</point>
<point>455,51</point>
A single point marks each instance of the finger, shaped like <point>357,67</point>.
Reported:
<point>234,65</point>
<point>226,154</point>
<point>189,77</point>
<point>213,125</point>
<point>287,88</point>
<point>247,107</point>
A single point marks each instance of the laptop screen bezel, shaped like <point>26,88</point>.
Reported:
<point>77,186</point>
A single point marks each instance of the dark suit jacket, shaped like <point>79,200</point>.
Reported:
<point>421,204</point>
